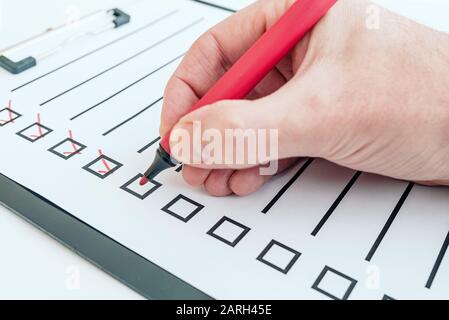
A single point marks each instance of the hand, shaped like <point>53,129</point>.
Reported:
<point>374,100</point>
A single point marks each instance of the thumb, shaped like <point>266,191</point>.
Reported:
<point>240,134</point>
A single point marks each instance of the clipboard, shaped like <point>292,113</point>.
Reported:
<point>63,35</point>
<point>138,273</point>
<point>320,203</point>
<point>125,265</point>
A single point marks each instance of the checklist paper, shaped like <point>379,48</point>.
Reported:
<point>81,127</point>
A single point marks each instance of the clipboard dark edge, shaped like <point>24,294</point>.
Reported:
<point>123,264</point>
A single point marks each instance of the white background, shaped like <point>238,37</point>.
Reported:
<point>34,266</point>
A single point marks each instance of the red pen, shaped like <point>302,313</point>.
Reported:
<point>253,66</point>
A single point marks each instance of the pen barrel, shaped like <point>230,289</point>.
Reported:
<point>264,55</point>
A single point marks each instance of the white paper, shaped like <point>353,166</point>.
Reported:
<point>222,246</point>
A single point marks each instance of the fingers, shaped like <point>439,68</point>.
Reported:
<point>213,54</point>
<point>194,176</point>
<point>282,122</point>
<point>214,181</point>
<point>248,181</point>
<point>434,183</point>
<point>222,183</point>
<point>217,184</point>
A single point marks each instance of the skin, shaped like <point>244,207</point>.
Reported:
<point>374,100</point>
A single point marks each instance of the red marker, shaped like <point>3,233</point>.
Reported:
<point>253,66</point>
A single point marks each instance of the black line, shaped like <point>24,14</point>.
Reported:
<point>269,247</point>
<point>215,5</point>
<point>98,49</point>
<point>336,204</point>
<point>437,265</point>
<point>287,186</point>
<point>133,117</point>
<point>351,285</point>
<point>154,45</point>
<point>149,145</point>
<point>127,87</point>
<point>229,242</point>
<point>389,222</point>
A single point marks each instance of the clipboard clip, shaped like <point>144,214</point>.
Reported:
<point>92,24</point>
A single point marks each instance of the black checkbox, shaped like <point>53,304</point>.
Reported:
<point>8,116</point>
<point>334,284</point>
<point>134,188</point>
<point>183,208</point>
<point>229,231</point>
<point>103,167</point>
<point>67,148</point>
<point>35,132</point>
<point>279,256</point>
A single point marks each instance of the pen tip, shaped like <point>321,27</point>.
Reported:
<point>144,181</point>
<point>162,161</point>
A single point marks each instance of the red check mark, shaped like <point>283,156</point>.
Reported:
<point>74,146</point>
<point>10,114</point>
<point>105,164</point>
<point>39,127</point>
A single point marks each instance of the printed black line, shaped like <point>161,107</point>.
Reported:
<point>328,270</point>
<point>126,88</point>
<point>98,49</point>
<point>168,208</point>
<point>281,268</point>
<point>149,145</point>
<point>236,238</point>
<point>127,187</point>
<point>336,204</point>
<point>390,221</point>
<point>133,117</point>
<point>154,45</point>
<point>214,5</point>
<point>287,186</point>
<point>438,262</point>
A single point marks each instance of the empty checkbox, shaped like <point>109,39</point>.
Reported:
<point>34,132</point>
<point>334,284</point>
<point>102,167</point>
<point>142,192</point>
<point>229,231</point>
<point>8,116</point>
<point>279,256</point>
<point>67,149</point>
<point>183,208</point>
